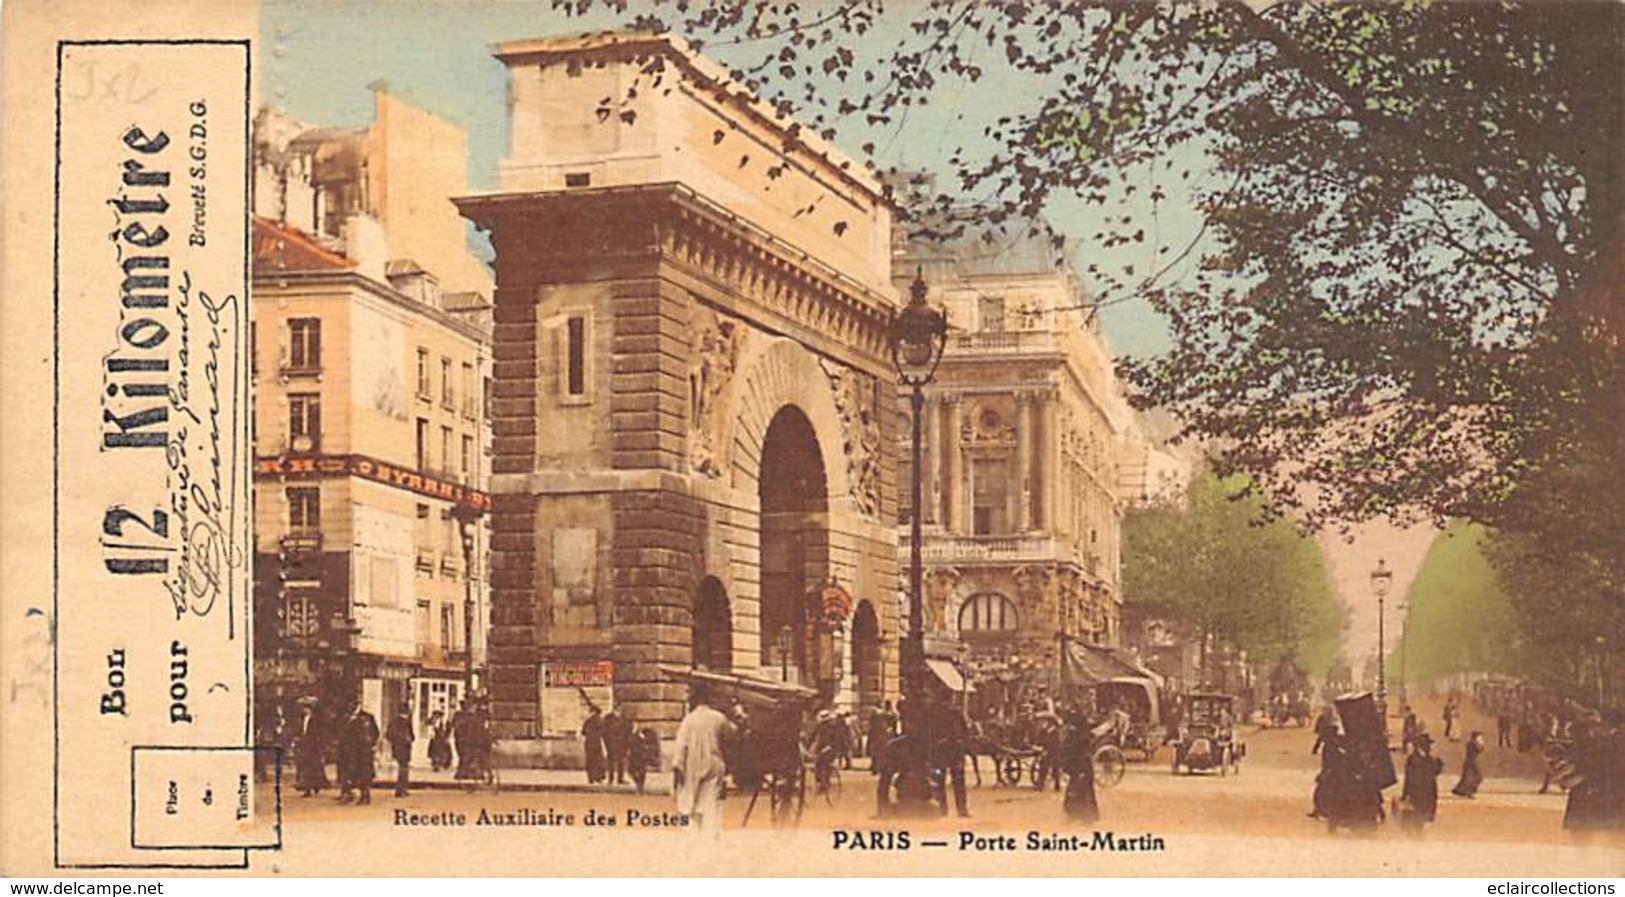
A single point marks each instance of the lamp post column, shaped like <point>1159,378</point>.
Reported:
<point>468,609</point>
<point>919,335</point>
<point>1381,580</point>
<point>913,786</point>
<point>467,516</point>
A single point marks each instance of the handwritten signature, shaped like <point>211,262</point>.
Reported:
<point>210,549</point>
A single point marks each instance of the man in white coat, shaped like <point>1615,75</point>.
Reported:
<point>698,767</point>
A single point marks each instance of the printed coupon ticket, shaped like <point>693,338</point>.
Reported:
<point>701,438</point>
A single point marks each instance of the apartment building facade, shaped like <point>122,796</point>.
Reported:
<point>371,436</point>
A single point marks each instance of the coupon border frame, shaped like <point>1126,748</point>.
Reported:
<point>56,440</point>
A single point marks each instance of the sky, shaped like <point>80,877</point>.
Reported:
<point>318,60</point>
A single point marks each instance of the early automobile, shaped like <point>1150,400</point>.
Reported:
<point>1206,738</point>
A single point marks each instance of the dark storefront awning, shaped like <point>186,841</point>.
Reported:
<point>1084,665</point>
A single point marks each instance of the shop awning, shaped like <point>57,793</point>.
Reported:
<point>948,674</point>
<point>738,686</point>
<point>1083,664</point>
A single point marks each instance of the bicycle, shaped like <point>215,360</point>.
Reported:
<point>826,776</point>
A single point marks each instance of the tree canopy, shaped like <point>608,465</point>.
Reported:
<point>1397,201</point>
<point>1402,298</point>
<point>1216,568</point>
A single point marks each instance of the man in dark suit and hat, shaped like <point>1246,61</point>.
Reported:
<point>1420,795</point>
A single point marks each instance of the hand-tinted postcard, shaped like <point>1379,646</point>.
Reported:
<point>738,437</point>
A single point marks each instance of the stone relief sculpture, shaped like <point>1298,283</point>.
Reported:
<point>717,344</point>
<point>860,430</point>
<point>1031,581</point>
<point>985,426</point>
<point>939,588</point>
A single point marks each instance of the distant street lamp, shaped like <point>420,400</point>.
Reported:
<point>1382,579</point>
<point>466,516</point>
<point>919,334</point>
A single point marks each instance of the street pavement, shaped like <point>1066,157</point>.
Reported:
<point>1254,823</point>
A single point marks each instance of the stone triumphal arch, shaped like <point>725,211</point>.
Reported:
<point>695,435</point>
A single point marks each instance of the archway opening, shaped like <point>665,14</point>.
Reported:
<point>713,627</point>
<point>866,657</point>
<point>794,499</point>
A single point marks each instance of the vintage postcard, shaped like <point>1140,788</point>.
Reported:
<point>837,438</point>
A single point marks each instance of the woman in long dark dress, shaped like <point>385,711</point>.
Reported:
<point>1421,792</point>
<point>592,735</point>
<point>1078,757</point>
<point>310,753</point>
<point>439,742</point>
<point>1471,777</point>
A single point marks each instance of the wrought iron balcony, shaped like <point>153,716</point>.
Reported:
<point>953,549</point>
<point>1002,342</point>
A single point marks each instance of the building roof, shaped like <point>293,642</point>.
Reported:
<point>1018,247</point>
<point>281,247</point>
<point>701,70</point>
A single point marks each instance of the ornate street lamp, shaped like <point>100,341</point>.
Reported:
<point>1382,579</point>
<point>466,516</point>
<point>919,334</point>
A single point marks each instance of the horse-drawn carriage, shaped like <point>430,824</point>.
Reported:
<point>1017,757</point>
<point>766,756</point>
<point>1137,699</point>
<point>1206,738</point>
<point>1356,767</point>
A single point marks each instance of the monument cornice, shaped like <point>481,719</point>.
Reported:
<point>782,287</point>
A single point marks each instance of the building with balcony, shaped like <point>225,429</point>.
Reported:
<point>370,337</point>
<point>1025,431</point>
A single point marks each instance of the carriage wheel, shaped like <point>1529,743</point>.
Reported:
<point>832,787</point>
<point>1110,765</point>
<point>776,796</point>
<point>1035,772</point>
<point>1010,771</point>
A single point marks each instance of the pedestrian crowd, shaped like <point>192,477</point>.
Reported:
<point>1589,749</point>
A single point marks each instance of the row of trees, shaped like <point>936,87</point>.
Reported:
<point>1222,573</point>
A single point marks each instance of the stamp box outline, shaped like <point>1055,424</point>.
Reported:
<point>256,750</point>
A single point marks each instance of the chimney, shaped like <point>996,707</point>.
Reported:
<point>364,244</point>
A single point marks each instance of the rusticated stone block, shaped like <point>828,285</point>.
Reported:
<point>512,654</point>
<point>515,463</point>
<point>512,692</point>
<point>519,615</point>
<point>513,579</point>
<point>636,634</point>
<point>516,312</point>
